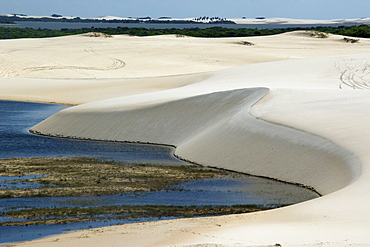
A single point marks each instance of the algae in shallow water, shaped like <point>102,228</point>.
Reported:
<point>37,216</point>
<point>86,176</point>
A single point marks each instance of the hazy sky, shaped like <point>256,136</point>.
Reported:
<point>305,9</point>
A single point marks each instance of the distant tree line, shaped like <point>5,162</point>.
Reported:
<point>212,32</point>
<point>6,22</point>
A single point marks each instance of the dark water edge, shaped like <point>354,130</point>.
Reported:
<point>60,25</point>
<point>17,142</point>
<point>28,233</point>
<point>244,190</point>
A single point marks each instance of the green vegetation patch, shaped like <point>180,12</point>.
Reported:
<point>211,32</point>
<point>86,176</point>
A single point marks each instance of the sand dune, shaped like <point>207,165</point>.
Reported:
<point>292,107</point>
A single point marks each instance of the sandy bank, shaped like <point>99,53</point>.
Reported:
<point>215,130</point>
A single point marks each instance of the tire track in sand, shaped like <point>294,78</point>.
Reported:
<point>116,64</point>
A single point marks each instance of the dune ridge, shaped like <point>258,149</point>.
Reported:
<point>216,130</point>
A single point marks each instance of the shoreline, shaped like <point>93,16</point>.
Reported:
<point>173,149</point>
<point>258,176</point>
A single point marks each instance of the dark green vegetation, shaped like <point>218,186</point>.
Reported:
<point>37,216</point>
<point>6,22</point>
<point>212,32</point>
<point>85,176</point>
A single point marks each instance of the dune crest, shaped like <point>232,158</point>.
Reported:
<point>216,130</point>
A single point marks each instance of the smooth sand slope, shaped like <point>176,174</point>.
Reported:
<point>292,107</point>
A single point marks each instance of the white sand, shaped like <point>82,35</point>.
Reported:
<point>196,94</point>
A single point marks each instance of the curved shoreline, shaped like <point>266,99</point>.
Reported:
<point>205,144</point>
<point>173,149</point>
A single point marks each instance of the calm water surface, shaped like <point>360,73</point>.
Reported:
<point>16,142</point>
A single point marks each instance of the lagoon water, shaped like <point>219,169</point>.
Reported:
<point>16,142</point>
